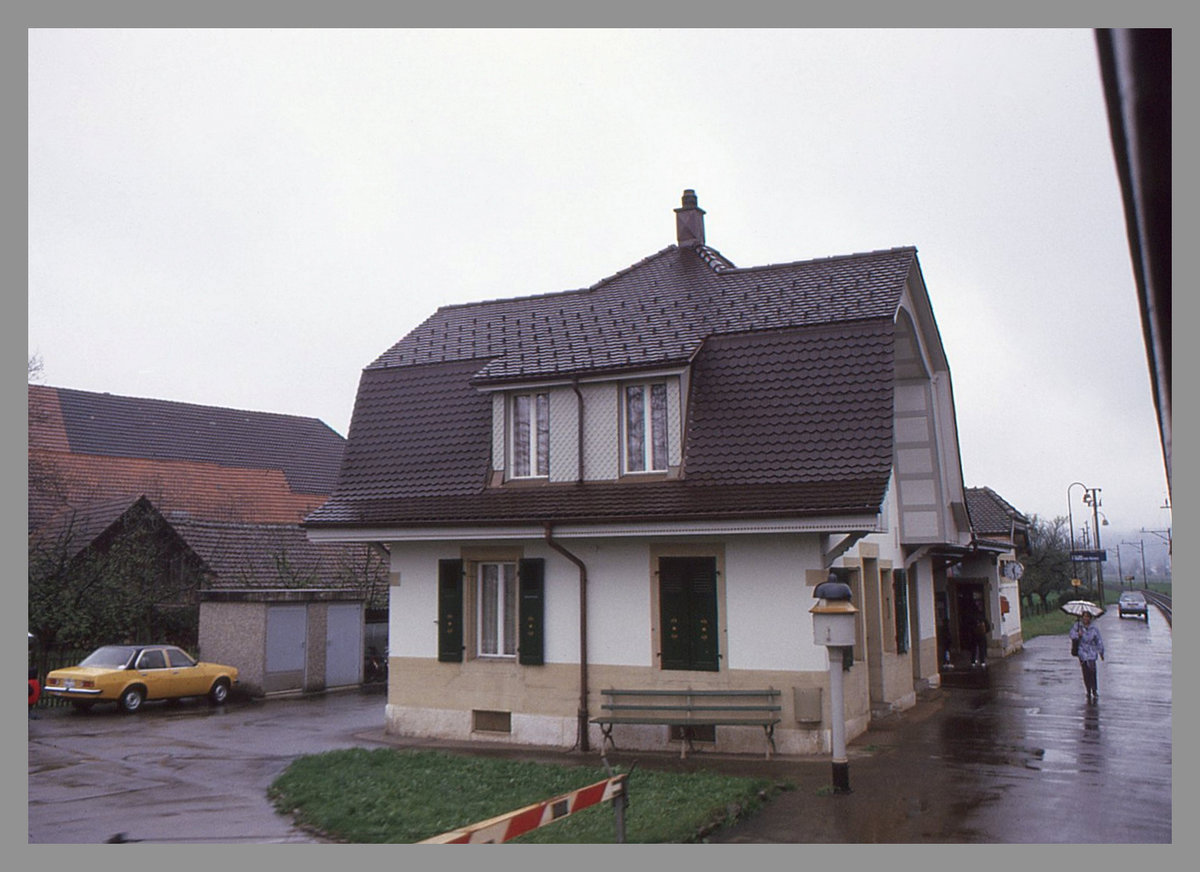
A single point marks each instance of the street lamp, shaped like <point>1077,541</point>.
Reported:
<point>1091,497</point>
<point>833,627</point>
<point>1071,525</point>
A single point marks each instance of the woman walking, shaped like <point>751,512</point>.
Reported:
<point>1091,645</point>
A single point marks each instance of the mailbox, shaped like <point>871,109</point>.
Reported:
<point>833,616</point>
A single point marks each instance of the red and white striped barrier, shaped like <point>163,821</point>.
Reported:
<point>515,823</point>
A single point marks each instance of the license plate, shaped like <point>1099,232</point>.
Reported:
<point>69,683</point>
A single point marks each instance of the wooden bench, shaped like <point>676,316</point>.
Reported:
<point>687,709</point>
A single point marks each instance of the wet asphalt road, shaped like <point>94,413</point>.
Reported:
<point>181,773</point>
<point>1014,756</point>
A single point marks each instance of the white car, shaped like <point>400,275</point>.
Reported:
<point>1133,603</point>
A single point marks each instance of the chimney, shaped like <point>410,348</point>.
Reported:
<point>689,221</point>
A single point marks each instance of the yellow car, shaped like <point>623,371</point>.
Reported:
<point>132,674</point>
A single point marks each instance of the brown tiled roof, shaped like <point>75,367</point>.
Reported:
<point>990,513</point>
<point>805,405</point>
<point>790,408</point>
<point>215,463</point>
<point>248,556</point>
<point>76,528</point>
<point>657,312</point>
<point>238,556</point>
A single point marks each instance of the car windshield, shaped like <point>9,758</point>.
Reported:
<point>112,656</point>
<point>1131,597</point>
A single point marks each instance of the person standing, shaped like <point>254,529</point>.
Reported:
<point>1091,645</point>
<point>980,627</point>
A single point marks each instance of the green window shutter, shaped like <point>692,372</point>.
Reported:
<point>531,585</point>
<point>450,611</point>
<point>687,588</point>
<point>900,592</point>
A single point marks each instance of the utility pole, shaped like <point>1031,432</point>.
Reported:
<point>1141,546</point>
<point>1091,498</point>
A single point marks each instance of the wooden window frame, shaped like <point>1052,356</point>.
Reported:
<point>532,453</point>
<point>651,432</point>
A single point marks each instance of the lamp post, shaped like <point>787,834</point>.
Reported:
<point>1071,524</point>
<point>833,627</point>
<point>1092,498</point>
<point>1087,546</point>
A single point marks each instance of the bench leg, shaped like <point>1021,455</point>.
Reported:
<point>769,729</point>
<point>685,742</point>
<point>607,740</point>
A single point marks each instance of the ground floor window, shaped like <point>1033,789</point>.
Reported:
<point>496,598</point>
<point>491,608</point>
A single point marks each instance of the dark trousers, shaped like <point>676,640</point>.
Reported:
<point>1089,676</point>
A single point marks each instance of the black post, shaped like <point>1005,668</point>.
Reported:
<point>841,776</point>
<point>619,803</point>
<point>1099,563</point>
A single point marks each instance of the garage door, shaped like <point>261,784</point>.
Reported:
<point>286,629</point>
<point>343,644</point>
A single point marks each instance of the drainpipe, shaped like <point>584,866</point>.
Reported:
<point>582,741</point>
<point>578,431</point>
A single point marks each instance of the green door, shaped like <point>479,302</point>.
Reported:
<point>687,591</point>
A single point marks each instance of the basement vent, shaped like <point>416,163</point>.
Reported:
<point>491,722</point>
<point>706,733</point>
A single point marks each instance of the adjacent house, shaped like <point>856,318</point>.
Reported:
<point>220,494</point>
<point>990,586</point>
<point>640,483</point>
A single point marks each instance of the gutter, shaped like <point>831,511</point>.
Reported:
<point>582,714</point>
<point>578,430</point>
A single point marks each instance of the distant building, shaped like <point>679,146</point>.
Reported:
<point>228,488</point>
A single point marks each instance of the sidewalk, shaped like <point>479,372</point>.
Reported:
<point>1013,754</point>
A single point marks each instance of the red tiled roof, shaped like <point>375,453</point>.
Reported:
<point>211,462</point>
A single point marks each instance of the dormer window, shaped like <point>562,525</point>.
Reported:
<point>645,427</point>
<point>530,435</point>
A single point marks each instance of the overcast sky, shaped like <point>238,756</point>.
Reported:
<point>247,218</point>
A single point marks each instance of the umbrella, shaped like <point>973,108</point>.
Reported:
<point>1078,607</point>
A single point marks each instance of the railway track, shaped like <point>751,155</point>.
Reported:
<point>1161,600</point>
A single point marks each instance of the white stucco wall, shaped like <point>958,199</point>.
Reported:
<point>768,602</point>
<point>766,605</point>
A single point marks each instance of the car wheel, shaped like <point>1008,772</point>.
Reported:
<point>82,705</point>
<point>131,699</point>
<point>219,692</point>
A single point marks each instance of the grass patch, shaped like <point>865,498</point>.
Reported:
<point>1053,623</point>
<point>385,795</point>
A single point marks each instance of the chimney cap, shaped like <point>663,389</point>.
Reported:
<point>689,220</point>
